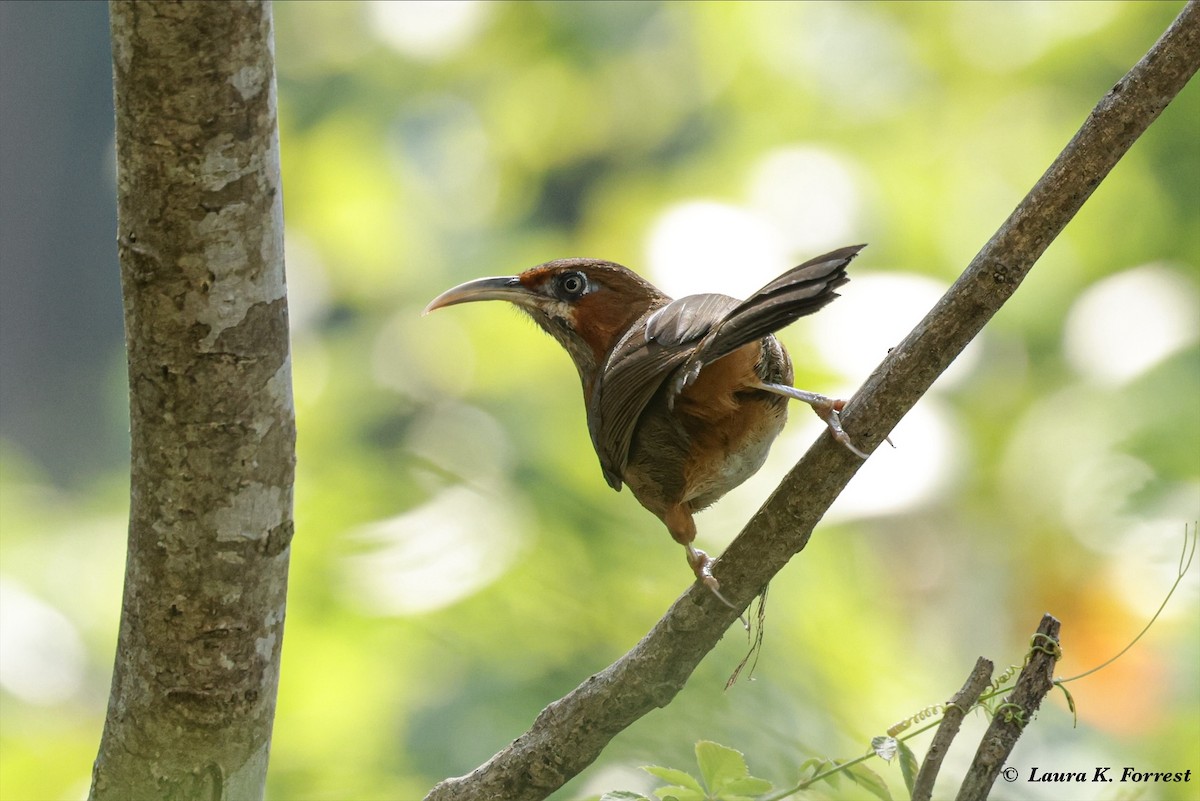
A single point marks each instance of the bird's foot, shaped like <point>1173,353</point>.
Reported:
<point>683,379</point>
<point>701,564</point>
<point>832,417</point>
<point>828,409</point>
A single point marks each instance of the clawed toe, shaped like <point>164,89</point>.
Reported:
<point>834,421</point>
<point>701,565</point>
<point>714,587</point>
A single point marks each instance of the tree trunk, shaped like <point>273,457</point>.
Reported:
<point>211,414</point>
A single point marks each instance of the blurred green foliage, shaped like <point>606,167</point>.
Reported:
<point>459,561</point>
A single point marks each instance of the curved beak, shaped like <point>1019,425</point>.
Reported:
<point>505,287</point>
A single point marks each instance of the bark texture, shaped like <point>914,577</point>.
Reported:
<point>211,414</point>
<point>571,732</point>
<point>952,718</point>
<point>1011,717</point>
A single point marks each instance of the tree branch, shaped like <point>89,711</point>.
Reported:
<point>952,718</point>
<point>571,732</point>
<point>1011,717</point>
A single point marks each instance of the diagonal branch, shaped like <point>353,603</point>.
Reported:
<point>571,732</point>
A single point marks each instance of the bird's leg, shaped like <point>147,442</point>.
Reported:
<point>683,529</point>
<point>702,566</point>
<point>827,409</point>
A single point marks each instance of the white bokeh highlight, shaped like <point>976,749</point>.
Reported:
<point>705,246</point>
<point>876,311</point>
<point>443,551</point>
<point>42,656</point>
<point>801,200</point>
<point>1125,324</point>
<point>429,30</point>
<point>810,196</point>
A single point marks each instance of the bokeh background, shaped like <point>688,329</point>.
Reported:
<point>459,561</point>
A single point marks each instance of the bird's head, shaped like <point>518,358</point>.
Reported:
<point>585,304</point>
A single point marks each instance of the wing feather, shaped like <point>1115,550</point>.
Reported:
<point>677,339</point>
<point>687,319</point>
<point>638,365</point>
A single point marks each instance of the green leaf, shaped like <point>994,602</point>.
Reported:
<point>719,765</point>
<point>677,793</point>
<point>870,781</point>
<point>623,795</point>
<point>747,785</point>
<point>674,776</point>
<point>725,773</point>
<point>833,779</point>
<point>811,767</point>
<point>908,765</point>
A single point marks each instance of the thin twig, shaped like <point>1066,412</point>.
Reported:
<point>1185,564</point>
<point>570,733</point>
<point>956,710</point>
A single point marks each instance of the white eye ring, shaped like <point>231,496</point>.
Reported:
<point>573,284</point>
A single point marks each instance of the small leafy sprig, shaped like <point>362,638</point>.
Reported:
<point>723,777</point>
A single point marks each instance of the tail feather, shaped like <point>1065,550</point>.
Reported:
<point>800,291</point>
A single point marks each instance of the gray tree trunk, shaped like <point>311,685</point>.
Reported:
<point>212,422</point>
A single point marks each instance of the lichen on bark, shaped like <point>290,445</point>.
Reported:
<point>211,417</point>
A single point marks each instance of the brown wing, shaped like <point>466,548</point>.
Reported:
<point>688,333</point>
<point>636,367</point>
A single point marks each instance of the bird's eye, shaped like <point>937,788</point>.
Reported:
<point>572,285</point>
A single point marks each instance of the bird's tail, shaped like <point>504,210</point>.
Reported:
<point>800,291</point>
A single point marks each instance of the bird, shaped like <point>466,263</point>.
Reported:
<point>684,397</point>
